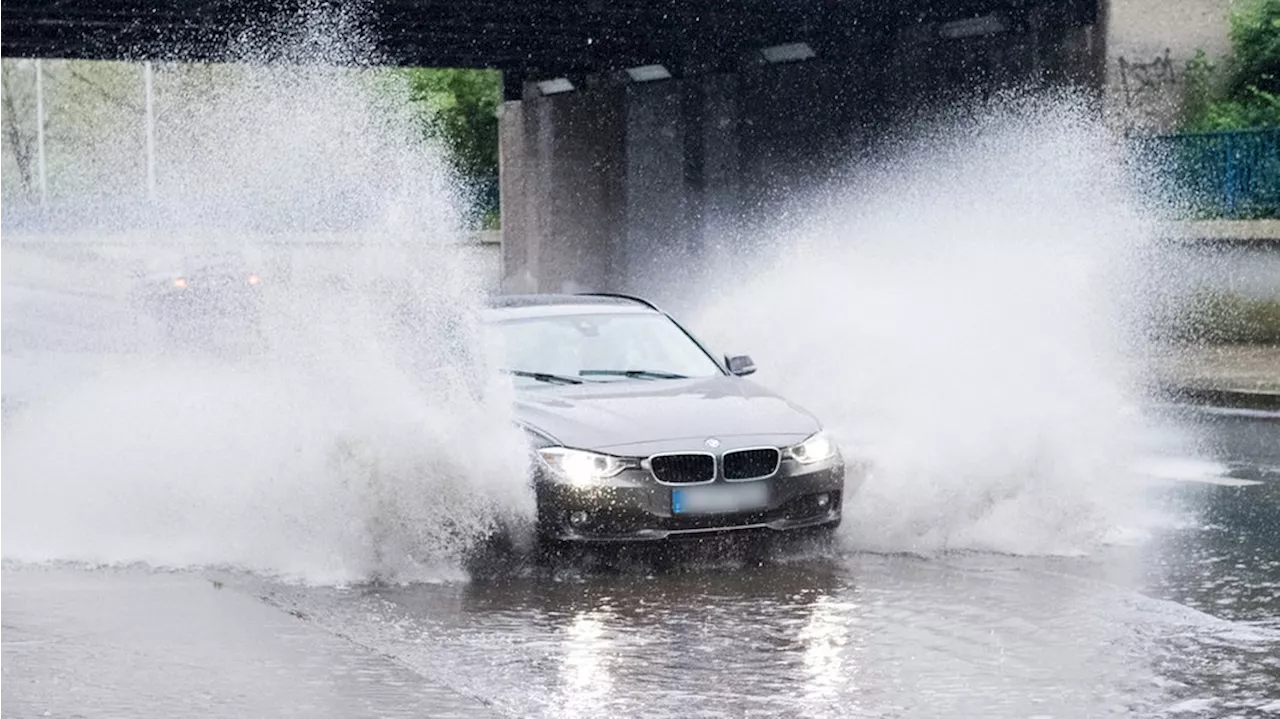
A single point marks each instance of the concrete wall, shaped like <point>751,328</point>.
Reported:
<point>1148,46</point>
<point>640,186</point>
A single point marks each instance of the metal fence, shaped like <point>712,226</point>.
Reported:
<point>1231,175</point>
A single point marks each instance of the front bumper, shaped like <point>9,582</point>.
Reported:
<point>636,509</point>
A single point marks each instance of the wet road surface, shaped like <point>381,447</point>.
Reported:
<point>137,643</point>
<point>1185,624</point>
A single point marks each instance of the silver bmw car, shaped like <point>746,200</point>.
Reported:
<point>640,433</point>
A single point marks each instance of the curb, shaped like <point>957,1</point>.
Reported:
<point>1224,397</point>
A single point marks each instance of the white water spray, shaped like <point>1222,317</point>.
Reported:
<point>365,433</point>
<point>968,317</point>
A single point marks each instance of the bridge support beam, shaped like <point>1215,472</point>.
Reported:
<point>620,187</point>
<point>561,183</point>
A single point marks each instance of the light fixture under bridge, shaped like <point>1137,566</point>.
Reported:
<point>789,52</point>
<point>648,73</point>
<point>555,86</point>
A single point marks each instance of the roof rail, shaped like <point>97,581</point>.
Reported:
<point>620,296</point>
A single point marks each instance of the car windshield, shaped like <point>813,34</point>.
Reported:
<point>569,349</point>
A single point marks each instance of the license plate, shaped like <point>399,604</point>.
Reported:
<point>720,498</point>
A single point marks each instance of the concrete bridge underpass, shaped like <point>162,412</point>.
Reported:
<point>637,136</point>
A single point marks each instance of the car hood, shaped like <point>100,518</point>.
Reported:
<point>644,416</point>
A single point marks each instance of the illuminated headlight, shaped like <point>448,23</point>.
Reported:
<point>814,449</point>
<point>577,466</point>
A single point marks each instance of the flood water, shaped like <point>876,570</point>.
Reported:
<point>1183,623</point>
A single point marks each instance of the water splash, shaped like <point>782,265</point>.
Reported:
<point>361,431</point>
<point>968,314</point>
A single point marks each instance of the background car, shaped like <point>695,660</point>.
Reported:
<point>202,301</point>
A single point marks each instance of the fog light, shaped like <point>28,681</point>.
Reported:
<point>578,518</point>
<point>823,500</point>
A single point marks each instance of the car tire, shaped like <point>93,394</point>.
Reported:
<point>825,536</point>
<point>549,548</point>
<point>497,555</point>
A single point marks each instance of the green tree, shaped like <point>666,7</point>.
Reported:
<point>17,130</point>
<point>460,107</point>
<point>1255,39</point>
<point>93,122</point>
<point>1245,91</point>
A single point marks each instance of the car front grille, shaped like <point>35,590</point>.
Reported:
<point>683,468</point>
<point>751,463</point>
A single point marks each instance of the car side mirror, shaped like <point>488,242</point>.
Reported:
<point>740,365</point>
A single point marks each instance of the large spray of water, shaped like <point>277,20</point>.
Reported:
<point>963,313</point>
<point>361,430</point>
<point>967,314</point>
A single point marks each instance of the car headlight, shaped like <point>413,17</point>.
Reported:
<point>578,466</point>
<point>814,449</point>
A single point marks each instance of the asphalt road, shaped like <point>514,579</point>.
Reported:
<point>1184,624</point>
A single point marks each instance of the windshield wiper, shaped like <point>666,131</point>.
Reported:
<point>634,373</point>
<point>544,377</point>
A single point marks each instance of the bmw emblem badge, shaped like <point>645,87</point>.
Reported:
<point>713,442</point>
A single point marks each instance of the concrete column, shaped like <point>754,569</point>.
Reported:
<point>718,227</point>
<point>617,187</point>
<point>683,184</point>
<point>519,242</point>
<point>1148,46</point>
<point>721,162</point>
<point>562,165</point>
<point>656,223</point>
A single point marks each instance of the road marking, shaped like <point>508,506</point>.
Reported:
<point>1241,412</point>
<point>1220,481</point>
<point>1191,470</point>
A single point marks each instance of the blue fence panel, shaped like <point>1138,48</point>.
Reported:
<point>1234,175</point>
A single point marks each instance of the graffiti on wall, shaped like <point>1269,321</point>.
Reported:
<point>1148,89</point>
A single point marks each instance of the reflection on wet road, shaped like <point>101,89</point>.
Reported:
<point>849,636</point>
<point>1184,624</point>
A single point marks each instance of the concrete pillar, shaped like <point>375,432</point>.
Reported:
<point>718,216</point>
<point>1148,46</point>
<point>684,212</point>
<point>619,188</point>
<point>643,187</point>
<point>562,175</point>
<point>655,250</point>
<point>519,242</point>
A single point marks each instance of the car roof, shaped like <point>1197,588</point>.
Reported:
<point>549,305</point>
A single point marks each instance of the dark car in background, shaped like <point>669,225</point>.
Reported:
<point>202,301</point>
<point>640,433</point>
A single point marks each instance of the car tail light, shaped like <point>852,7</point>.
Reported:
<point>180,282</point>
